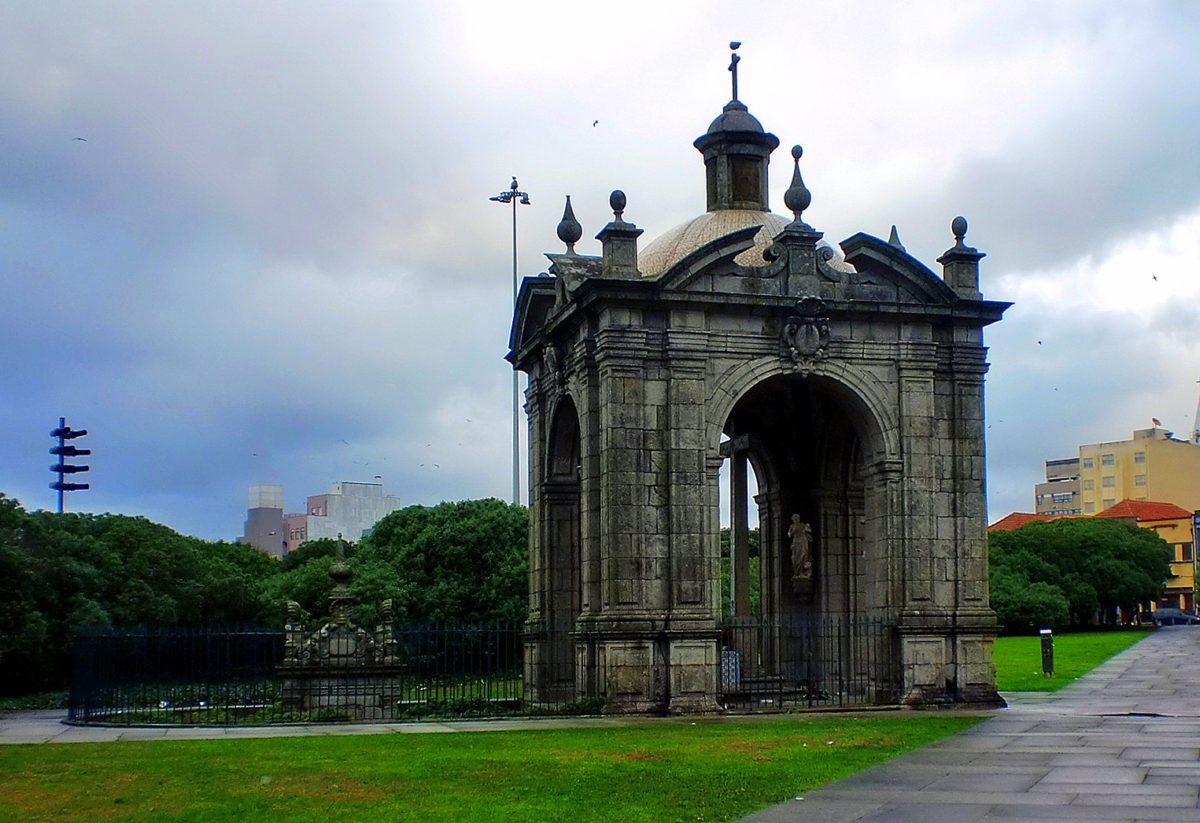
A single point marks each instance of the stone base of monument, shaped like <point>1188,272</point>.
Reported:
<point>342,693</point>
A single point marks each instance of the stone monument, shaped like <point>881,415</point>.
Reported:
<point>850,382</point>
<point>340,671</point>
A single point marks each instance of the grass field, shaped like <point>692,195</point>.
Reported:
<point>1019,659</point>
<point>674,772</point>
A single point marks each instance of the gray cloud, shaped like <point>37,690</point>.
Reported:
<point>273,258</point>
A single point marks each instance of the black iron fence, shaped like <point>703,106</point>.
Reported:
<point>237,674</point>
<point>826,662</point>
<point>175,674</point>
<point>242,674</point>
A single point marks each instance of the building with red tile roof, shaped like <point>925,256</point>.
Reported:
<point>1144,510</point>
<point>1018,519</point>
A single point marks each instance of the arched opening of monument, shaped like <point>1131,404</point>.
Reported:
<point>823,621</point>
<point>561,573</point>
<point>741,592</point>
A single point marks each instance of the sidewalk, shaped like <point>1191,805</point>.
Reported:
<point>1122,743</point>
<point>48,727</point>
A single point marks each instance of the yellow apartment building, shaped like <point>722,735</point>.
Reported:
<point>1153,465</point>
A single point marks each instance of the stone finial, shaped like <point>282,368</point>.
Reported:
<point>797,197</point>
<point>340,599</point>
<point>618,242</point>
<point>959,227</point>
<point>616,202</point>
<point>569,230</point>
<point>894,239</point>
<point>960,264</point>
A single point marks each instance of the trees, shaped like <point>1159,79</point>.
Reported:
<point>451,563</point>
<point>455,562</point>
<point>62,571</point>
<point>303,576</point>
<point>1088,565</point>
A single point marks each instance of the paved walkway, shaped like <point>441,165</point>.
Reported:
<point>1122,743</point>
<point>48,727</point>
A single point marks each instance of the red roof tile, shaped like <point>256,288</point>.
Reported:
<point>1018,519</point>
<point>1145,510</point>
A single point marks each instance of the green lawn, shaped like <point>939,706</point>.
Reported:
<point>1019,659</point>
<point>670,772</point>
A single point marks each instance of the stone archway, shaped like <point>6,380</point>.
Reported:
<point>824,605</point>
<point>556,573</point>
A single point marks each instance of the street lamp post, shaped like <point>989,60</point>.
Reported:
<point>514,196</point>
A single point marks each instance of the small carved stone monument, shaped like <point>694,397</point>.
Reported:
<point>340,671</point>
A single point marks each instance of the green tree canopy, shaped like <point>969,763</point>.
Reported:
<point>1091,564</point>
<point>62,571</point>
<point>451,563</point>
<point>462,562</point>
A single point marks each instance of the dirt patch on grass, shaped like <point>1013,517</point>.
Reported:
<point>330,783</point>
<point>644,757</point>
<point>106,798</point>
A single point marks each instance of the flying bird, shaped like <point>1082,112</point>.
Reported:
<point>595,123</point>
<point>82,139</point>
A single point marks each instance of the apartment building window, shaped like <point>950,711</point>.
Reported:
<point>1139,457</point>
<point>1108,482</point>
<point>1089,508</point>
<point>1107,459</point>
<point>1139,480</point>
<point>1109,503</point>
<point>1088,463</point>
<point>1064,497</point>
<point>1185,552</point>
<point>1089,485</point>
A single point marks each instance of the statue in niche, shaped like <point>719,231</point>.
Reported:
<point>800,533</point>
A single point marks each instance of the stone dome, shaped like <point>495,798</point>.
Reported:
<point>735,117</point>
<point>677,243</point>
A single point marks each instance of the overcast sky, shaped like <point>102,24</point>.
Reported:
<point>272,258</point>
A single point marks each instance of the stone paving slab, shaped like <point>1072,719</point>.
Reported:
<point>1119,745</point>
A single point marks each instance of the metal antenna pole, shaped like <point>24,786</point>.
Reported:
<point>514,196</point>
<point>62,424</point>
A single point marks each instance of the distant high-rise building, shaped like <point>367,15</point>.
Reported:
<point>1153,465</point>
<point>265,528</point>
<point>348,508</point>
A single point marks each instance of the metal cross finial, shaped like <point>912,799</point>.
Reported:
<point>733,65</point>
